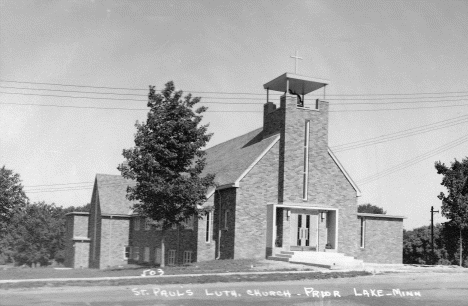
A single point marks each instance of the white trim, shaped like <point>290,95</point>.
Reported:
<point>277,137</point>
<point>335,159</point>
<point>225,186</point>
<point>362,233</point>
<point>305,178</point>
<point>305,207</point>
<point>296,206</point>
<point>383,216</point>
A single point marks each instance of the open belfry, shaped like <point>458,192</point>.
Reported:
<point>281,194</point>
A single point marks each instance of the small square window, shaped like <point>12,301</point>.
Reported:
<point>158,225</point>
<point>172,256</point>
<point>148,222</point>
<point>187,257</point>
<point>127,252</point>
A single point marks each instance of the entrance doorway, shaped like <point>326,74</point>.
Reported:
<point>304,232</point>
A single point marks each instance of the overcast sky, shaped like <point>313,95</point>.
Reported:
<point>365,48</point>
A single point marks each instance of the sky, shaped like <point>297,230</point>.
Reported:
<point>389,54</point>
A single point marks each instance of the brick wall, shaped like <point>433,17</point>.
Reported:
<point>81,256</point>
<point>224,200</point>
<point>257,188</point>
<point>179,239</point>
<point>383,242</point>
<point>76,252</point>
<point>114,239</point>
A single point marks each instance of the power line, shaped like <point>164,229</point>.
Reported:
<point>112,108</point>
<point>233,98</point>
<point>414,160</point>
<point>232,103</point>
<point>66,188</point>
<point>110,99</point>
<point>394,109</point>
<point>216,92</point>
<point>401,134</point>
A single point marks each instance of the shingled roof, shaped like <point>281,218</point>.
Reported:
<point>232,159</point>
<point>229,161</point>
<point>112,191</point>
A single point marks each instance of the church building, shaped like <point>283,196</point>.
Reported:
<point>282,195</point>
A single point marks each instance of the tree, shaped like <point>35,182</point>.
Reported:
<point>455,202</point>
<point>370,209</point>
<point>12,195</point>
<point>167,160</point>
<point>36,234</point>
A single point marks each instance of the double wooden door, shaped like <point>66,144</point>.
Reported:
<point>304,232</point>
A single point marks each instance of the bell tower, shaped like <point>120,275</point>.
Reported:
<point>303,127</point>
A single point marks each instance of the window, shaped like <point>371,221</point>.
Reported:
<point>158,225</point>
<point>136,223</point>
<point>146,254</point>
<point>187,257</point>
<point>209,226</point>
<point>174,226</point>
<point>188,223</point>
<point>226,219</point>
<point>127,252</point>
<point>171,260</point>
<point>157,256</point>
<point>363,232</point>
<point>305,182</point>
<point>148,224</point>
<point>136,253</point>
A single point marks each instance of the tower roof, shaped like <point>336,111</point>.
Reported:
<point>297,83</point>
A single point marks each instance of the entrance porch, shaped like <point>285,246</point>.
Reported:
<point>298,227</point>
<point>305,234</point>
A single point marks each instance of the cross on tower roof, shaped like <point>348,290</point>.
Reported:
<point>296,58</point>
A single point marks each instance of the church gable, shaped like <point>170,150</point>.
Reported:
<point>112,191</point>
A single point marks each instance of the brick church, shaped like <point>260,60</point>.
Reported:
<point>282,194</point>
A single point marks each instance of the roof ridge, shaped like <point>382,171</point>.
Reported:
<point>231,139</point>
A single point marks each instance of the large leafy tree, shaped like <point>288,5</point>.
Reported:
<point>12,196</point>
<point>455,201</point>
<point>167,160</point>
<point>36,234</point>
<point>371,209</point>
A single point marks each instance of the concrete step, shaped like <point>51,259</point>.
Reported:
<point>331,260</point>
<point>284,255</point>
<point>278,258</point>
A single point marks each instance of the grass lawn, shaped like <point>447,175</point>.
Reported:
<point>216,266</point>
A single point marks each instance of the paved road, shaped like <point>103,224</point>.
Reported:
<point>394,289</point>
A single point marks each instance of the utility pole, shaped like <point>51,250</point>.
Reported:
<point>432,231</point>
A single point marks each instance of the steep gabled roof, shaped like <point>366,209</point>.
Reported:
<point>231,160</point>
<point>112,191</point>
